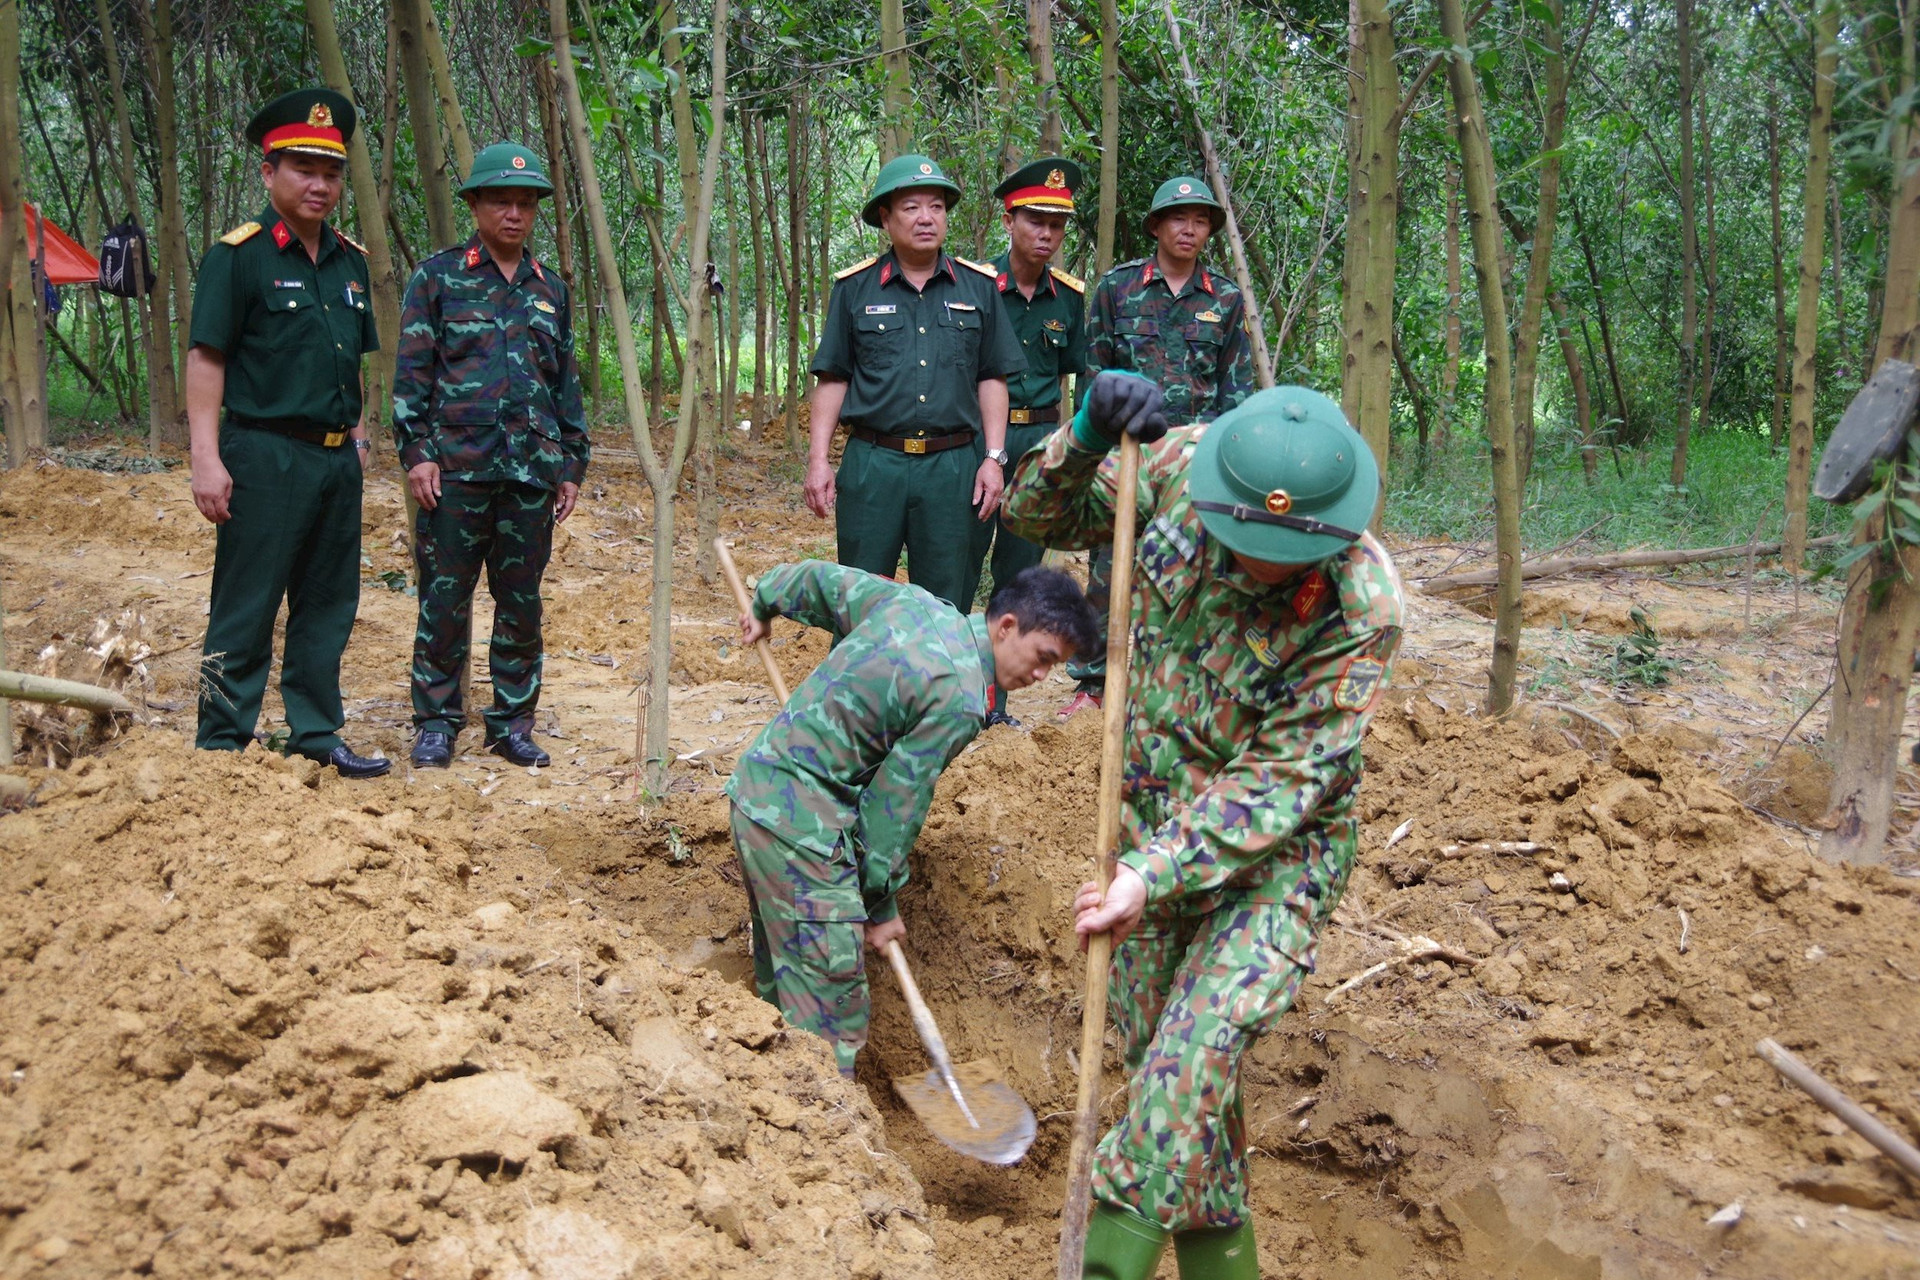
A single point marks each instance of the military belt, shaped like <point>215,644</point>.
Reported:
<point>915,444</point>
<point>1022,417</point>
<point>299,429</point>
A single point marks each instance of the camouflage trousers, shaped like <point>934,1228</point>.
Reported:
<point>508,530</point>
<point>1090,669</point>
<point>1190,993</point>
<point>809,959</point>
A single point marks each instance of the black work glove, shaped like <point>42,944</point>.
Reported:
<point>1120,402</point>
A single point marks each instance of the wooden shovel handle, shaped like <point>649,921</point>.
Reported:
<point>922,1017</point>
<point>1093,1025</point>
<point>746,606</point>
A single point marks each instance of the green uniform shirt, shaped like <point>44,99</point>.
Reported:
<point>1194,343</point>
<point>1245,703</point>
<point>1052,330</point>
<point>912,359</point>
<point>292,329</point>
<point>846,770</point>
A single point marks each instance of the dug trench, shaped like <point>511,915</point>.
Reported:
<point>257,1020</point>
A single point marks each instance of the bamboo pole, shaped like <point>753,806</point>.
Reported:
<point>1554,566</point>
<point>25,687</point>
<point>1857,1117</point>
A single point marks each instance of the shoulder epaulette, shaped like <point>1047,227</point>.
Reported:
<point>990,272</point>
<point>241,234</point>
<point>346,239</point>
<point>1074,283</point>
<point>855,269</point>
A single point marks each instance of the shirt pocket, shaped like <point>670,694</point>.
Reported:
<point>1204,342</point>
<point>468,434</point>
<point>543,339</point>
<point>1135,338</point>
<point>878,341</point>
<point>959,338</point>
<point>292,313</point>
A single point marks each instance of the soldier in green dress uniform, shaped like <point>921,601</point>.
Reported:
<point>1167,316</point>
<point>914,358</point>
<point>280,320</point>
<point>1048,307</point>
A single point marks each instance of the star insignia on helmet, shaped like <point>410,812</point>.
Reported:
<point>519,162</point>
<point>1186,188</point>
<point>321,117</point>
<point>1279,502</point>
<point>1056,179</point>
<point>926,168</point>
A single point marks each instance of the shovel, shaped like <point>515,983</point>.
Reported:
<point>985,1118</point>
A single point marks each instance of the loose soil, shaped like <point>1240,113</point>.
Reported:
<point>497,1023</point>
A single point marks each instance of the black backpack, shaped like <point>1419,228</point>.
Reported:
<point>117,253</point>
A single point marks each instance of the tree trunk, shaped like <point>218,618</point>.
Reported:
<point>730,384</point>
<point>557,170</point>
<point>1109,208</point>
<point>436,183</point>
<point>1046,86</point>
<point>21,390</point>
<point>752,133</point>
<point>1782,360</point>
<point>1373,179</point>
<point>1450,371</point>
<point>1838,241</point>
<point>1712,272</point>
<point>1689,252</point>
<point>896,93</point>
<point>456,120</point>
<point>157,26</point>
<point>797,135</point>
<point>1577,375</point>
<point>1620,402</point>
<point>1526,358</point>
<point>1476,160</point>
<point>1806,322</point>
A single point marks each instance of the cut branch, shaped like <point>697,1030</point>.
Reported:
<point>1551,568</point>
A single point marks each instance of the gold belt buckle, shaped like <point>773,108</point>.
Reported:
<point>334,439</point>
<point>1019,417</point>
<point>913,446</point>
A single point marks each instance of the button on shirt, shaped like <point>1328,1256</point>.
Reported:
<point>1194,343</point>
<point>292,329</point>
<point>1052,329</point>
<point>912,358</point>
<point>485,382</point>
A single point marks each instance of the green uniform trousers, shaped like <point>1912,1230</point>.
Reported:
<point>1190,993</point>
<point>1091,669</point>
<point>506,528</point>
<point>293,533</point>
<point>809,958</point>
<point>1011,552</point>
<point>887,501</point>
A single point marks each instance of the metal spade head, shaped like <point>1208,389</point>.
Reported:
<point>1871,430</point>
<point>1001,1128</point>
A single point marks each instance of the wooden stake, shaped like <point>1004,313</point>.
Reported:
<point>732,571</point>
<point>64,693</point>
<point>1857,1117</point>
<point>1113,755</point>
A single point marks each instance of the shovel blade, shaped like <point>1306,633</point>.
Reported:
<point>1006,1125</point>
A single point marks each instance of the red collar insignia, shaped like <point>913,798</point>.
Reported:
<point>1206,282</point>
<point>1306,601</point>
<point>886,271</point>
<point>541,275</point>
<point>281,236</point>
<point>1000,281</point>
<point>1146,277</point>
<point>473,256</point>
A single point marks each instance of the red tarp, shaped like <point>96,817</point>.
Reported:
<point>67,261</point>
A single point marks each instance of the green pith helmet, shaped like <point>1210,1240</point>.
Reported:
<point>306,122</point>
<point>903,173</point>
<point>507,164</point>
<point>1283,478</point>
<point>1175,192</point>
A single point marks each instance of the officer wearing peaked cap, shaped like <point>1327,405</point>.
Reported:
<point>1048,309</point>
<point>281,318</point>
<point>914,358</point>
<point>488,418</point>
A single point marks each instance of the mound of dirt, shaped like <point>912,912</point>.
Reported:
<point>256,1020</point>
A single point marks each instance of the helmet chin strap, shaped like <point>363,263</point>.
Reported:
<point>1260,515</point>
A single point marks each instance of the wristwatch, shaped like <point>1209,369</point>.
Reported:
<point>1000,456</point>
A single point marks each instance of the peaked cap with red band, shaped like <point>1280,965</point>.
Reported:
<point>307,122</point>
<point>1045,186</point>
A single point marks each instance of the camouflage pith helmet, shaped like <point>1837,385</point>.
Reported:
<point>904,173</point>
<point>1283,478</point>
<point>1184,190</point>
<point>507,164</point>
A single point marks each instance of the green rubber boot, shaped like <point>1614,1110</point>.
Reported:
<point>1217,1253</point>
<point>1121,1245</point>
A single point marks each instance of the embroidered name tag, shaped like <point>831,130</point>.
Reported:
<point>961,306</point>
<point>883,309</point>
<point>289,284</point>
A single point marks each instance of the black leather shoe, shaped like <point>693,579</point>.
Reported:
<point>1001,717</point>
<point>518,748</point>
<point>432,750</point>
<point>353,766</point>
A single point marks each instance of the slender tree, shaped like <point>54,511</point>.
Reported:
<point>22,392</point>
<point>1806,323</point>
<point>1109,206</point>
<point>896,92</point>
<point>1373,212</point>
<point>1689,250</point>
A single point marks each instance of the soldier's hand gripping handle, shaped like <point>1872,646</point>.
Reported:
<point>1120,403</point>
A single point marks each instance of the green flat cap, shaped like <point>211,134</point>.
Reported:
<point>507,164</point>
<point>1283,478</point>
<point>1045,186</point>
<point>905,173</point>
<point>1184,190</point>
<point>307,122</point>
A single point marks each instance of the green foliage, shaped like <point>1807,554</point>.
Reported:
<point>1637,659</point>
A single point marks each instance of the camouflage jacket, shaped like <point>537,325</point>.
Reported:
<point>484,382</point>
<point>1245,703</point>
<point>847,769</point>
<point>1194,343</point>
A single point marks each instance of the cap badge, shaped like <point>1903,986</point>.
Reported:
<point>321,117</point>
<point>926,168</point>
<point>519,162</point>
<point>1056,179</point>
<point>1208,317</point>
<point>1279,502</point>
<point>1186,188</point>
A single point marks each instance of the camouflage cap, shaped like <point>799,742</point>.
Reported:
<point>507,164</point>
<point>1184,190</point>
<point>905,173</point>
<point>1283,478</point>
